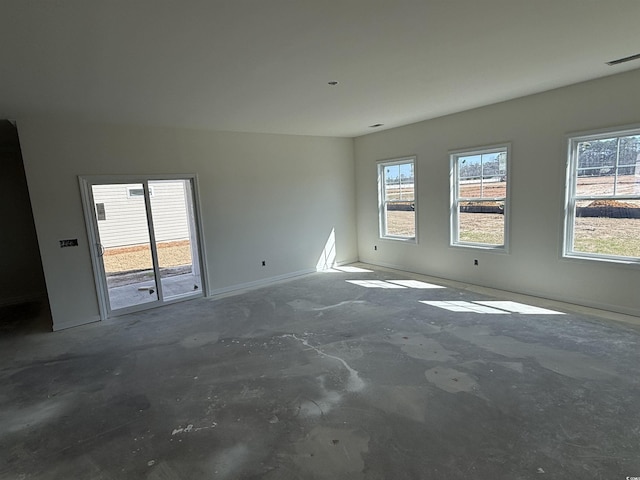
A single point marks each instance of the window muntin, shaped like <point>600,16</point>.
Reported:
<point>397,199</point>
<point>479,197</point>
<point>603,196</point>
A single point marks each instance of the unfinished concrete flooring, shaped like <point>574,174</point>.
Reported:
<point>321,378</point>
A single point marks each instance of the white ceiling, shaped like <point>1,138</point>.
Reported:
<point>263,65</point>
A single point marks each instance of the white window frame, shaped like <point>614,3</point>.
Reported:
<point>571,196</point>
<point>455,199</point>
<point>96,250</point>
<point>382,203</point>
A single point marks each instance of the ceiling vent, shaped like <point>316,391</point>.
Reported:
<point>624,60</point>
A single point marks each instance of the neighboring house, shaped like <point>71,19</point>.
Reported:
<point>121,213</point>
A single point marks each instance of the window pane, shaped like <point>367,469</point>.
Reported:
<point>592,184</point>
<point>400,221</point>
<point>392,182</point>
<point>482,176</point>
<point>475,226</point>
<point>596,167</point>
<point>399,182</point>
<point>628,178</point>
<point>174,229</point>
<point>628,184</point>
<point>608,227</point>
<point>609,166</point>
<point>598,156</point>
<point>124,235</point>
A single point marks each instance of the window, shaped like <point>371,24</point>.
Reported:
<point>602,212</point>
<point>397,199</point>
<point>100,212</point>
<point>479,193</point>
<point>137,192</point>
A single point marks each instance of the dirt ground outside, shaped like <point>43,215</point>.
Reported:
<point>481,228</point>
<point>401,223</point>
<point>603,185</point>
<point>596,185</point>
<point>138,257</point>
<point>485,190</point>
<point>607,236</point>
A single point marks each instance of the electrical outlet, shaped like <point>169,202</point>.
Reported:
<point>375,247</point>
<point>475,262</point>
<point>264,263</point>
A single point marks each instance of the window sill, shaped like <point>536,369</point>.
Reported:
<point>598,258</point>
<point>411,241</point>
<point>476,246</point>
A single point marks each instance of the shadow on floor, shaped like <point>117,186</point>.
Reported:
<point>25,318</point>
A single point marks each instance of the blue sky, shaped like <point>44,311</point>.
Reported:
<point>394,171</point>
<point>476,159</point>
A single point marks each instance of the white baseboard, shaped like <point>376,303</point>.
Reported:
<point>347,262</point>
<point>258,283</point>
<point>268,281</point>
<point>63,326</point>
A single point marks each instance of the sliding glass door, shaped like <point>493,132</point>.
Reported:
<point>175,237</point>
<point>145,241</point>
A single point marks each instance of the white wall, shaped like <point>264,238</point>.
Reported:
<point>263,197</point>
<point>536,126</point>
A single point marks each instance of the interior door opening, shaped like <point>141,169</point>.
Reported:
<point>146,242</point>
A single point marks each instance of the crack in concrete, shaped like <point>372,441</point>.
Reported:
<point>354,384</point>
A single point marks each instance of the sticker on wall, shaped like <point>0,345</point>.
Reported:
<point>72,242</point>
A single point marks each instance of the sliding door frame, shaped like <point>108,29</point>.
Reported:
<point>95,249</point>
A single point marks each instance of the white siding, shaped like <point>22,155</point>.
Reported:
<point>169,210</point>
<point>125,217</point>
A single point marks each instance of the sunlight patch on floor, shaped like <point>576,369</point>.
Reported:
<point>415,284</point>
<point>374,284</point>
<point>492,306</point>
<point>516,307</point>
<point>394,284</point>
<point>459,306</point>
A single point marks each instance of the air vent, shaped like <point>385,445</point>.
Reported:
<point>624,60</point>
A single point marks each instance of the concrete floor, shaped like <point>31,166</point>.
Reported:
<point>320,378</point>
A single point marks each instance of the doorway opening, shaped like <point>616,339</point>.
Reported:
<point>146,241</point>
<point>24,305</point>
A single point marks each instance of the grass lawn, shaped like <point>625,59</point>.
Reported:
<point>606,236</point>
